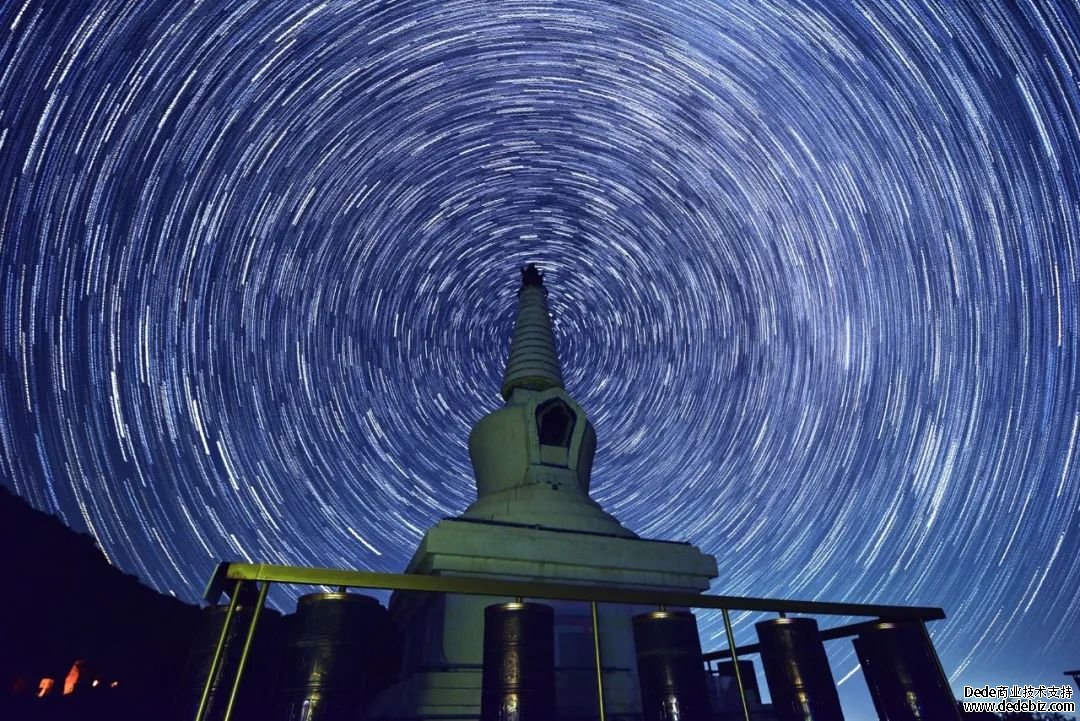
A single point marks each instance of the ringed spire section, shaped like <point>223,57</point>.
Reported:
<point>534,359</point>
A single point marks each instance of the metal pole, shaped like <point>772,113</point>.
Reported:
<point>247,649</point>
<point>215,664</point>
<point>599,667</point>
<point>940,668</point>
<point>734,661</point>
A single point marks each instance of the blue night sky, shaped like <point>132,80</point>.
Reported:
<point>813,268</point>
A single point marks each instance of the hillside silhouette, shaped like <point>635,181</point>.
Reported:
<point>80,639</point>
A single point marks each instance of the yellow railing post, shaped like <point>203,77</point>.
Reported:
<point>216,662</point>
<point>735,663</point>
<point>247,649</point>
<point>599,665</point>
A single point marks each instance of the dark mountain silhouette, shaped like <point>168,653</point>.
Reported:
<point>62,605</point>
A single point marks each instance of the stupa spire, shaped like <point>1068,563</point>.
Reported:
<point>534,359</point>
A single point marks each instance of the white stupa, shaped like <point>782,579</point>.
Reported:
<point>532,520</point>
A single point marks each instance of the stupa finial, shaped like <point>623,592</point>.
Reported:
<point>531,275</point>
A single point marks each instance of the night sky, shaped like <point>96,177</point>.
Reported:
<point>813,268</point>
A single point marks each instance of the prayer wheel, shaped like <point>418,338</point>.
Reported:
<point>902,672</point>
<point>797,670</point>
<point>518,681</point>
<point>670,667</point>
<point>336,645</point>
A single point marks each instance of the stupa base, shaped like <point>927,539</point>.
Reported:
<point>443,634</point>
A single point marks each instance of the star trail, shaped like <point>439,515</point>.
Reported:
<point>813,269</point>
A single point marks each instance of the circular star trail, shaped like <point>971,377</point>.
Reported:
<point>813,269</point>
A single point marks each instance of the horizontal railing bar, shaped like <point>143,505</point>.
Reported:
<point>725,653</point>
<point>828,634</point>
<point>553,591</point>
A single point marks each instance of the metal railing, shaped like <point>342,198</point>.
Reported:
<point>239,576</point>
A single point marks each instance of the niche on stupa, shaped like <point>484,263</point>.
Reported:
<point>555,427</point>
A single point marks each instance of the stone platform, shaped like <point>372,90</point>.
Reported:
<point>444,634</point>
